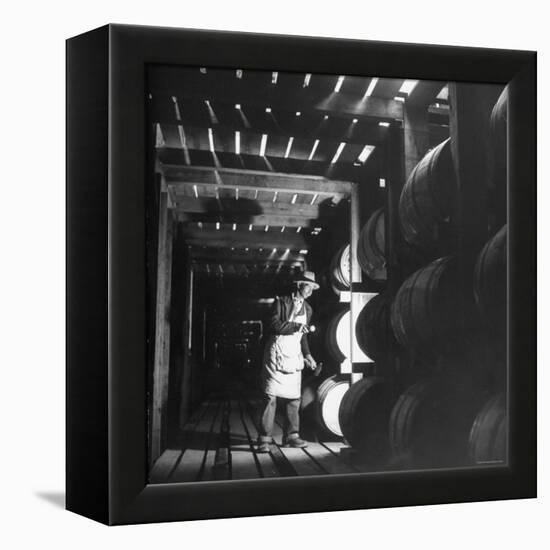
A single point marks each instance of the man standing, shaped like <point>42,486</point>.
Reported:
<point>285,353</point>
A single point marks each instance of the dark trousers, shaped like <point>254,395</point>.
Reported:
<point>292,418</point>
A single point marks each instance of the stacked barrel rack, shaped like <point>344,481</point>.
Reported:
<point>425,279</point>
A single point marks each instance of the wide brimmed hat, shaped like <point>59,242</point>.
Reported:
<point>307,277</point>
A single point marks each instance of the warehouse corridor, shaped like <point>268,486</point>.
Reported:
<point>219,442</point>
<point>389,196</point>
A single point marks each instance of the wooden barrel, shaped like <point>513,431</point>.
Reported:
<point>308,398</point>
<point>403,416</point>
<point>371,247</point>
<point>338,336</point>
<point>339,270</point>
<point>364,416</point>
<point>373,329</point>
<point>424,311</point>
<point>430,423</point>
<point>329,397</point>
<point>426,199</point>
<point>488,434</point>
<point>309,422</point>
<point>490,282</point>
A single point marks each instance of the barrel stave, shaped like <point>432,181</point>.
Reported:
<point>425,204</point>
<point>364,418</point>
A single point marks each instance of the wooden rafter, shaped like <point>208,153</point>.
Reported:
<point>173,81</point>
<point>224,140</point>
<point>274,123</point>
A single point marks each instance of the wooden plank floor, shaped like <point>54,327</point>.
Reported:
<point>219,442</point>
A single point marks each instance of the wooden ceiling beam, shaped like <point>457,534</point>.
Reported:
<point>297,183</point>
<point>265,278</point>
<point>224,142</point>
<point>367,135</point>
<point>248,208</point>
<point>252,239</point>
<point>254,266</point>
<point>439,114</point>
<point>253,256</point>
<point>333,104</point>
<point>174,82</point>
<point>179,186</point>
<point>261,220</point>
<point>308,125</point>
<point>339,171</point>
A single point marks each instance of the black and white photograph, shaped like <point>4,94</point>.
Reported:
<point>326,274</point>
<point>275,275</point>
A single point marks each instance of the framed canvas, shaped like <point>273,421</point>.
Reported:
<point>300,274</point>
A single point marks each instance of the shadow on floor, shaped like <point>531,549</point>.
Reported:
<point>55,498</point>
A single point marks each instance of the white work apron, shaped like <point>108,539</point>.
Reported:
<point>284,362</point>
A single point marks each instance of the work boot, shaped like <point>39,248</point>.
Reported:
<point>263,447</point>
<point>295,441</point>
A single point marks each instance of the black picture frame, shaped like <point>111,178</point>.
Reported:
<point>106,353</point>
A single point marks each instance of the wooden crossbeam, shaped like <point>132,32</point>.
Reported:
<point>267,240</point>
<point>205,203</point>
<point>224,280</point>
<point>253,256</point>
<point>258,220</point>
<point>289,183</point>
<point>230,181</point>
<point>250,266</point>
<point>246,208</point>
<point>339,171</point>
<point>243,239</point>
<point>239,268</point>
<point>439,114</point>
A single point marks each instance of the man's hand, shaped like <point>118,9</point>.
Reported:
<point>310,362</point>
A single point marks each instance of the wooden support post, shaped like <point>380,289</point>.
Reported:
<point>357,298</point>
<point>416,136</point>
<point>394,185</point>
<point>187,360</point>
<point>189,312</point>
<point>203,335</point>
<point>470,114</point>
<point>162,328</point>
<point>395,164</point>
<point>470,111</point>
